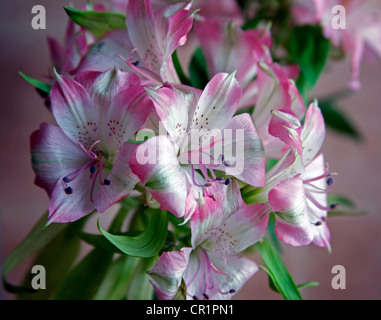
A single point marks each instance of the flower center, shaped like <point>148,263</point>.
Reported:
<point>95,167</point>
<point>207,272</point>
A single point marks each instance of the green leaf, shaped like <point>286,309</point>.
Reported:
<point>36,240</point>
<point>198,70</point>
<point>118,278</point>
<point>99,23</point>
<point>149,242</point>
<point>308,285</point>
<point>309,49</point>
<point>277,271</point>
<point>36,83</point>
<point>180,72</point>
<point>337,120</point>
<point>84,280</point>
<point>57,258</point>
<point>140,287</point>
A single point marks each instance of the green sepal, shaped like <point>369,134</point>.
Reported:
<point>98,23</point>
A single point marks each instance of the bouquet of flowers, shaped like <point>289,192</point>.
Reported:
<point>194,121</point>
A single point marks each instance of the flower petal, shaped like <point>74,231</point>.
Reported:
<point>288,201</point>
<point>313,133</point>
<point>126,115</point>
<point>106,53</point>
<point>74,111</point>
<point>242,140</point>
<point>168,272</point>
<point>287,127</point>
<point>122,180</point>
<point>218,103</point>
<point>141,29</point>
<point>54,155</point>
<point>204,280</point>
<point>156,165</point>
<point>64,207</point>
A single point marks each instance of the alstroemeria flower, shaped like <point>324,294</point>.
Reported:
<point>362,27</point>
<point>228,10</point>
<point>212,268</point>
<point>300,200</point>
<point>228,48</point>
<point>150,37</point>
<point>266,85</point>
<point>203,136</point>
<point>66,57</point>
<point>83,163</point>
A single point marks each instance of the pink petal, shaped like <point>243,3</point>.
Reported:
<point>122,180</point>
<point>156,165</point>
<point>287,127</point>
<point>141,29</point>
<point>74,111</point>
<point>240,230</point>
<point>218,103</point>
<point>126,115</point>
<point>106,53</point>
<point>313,133</point>
<point>168,272</point>
<point>288,201</point>
<point>54,155</point>
<point>65,207</point>
<point>242,140</point>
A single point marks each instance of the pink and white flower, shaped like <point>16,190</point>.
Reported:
<point>146,46</point>
<point>83,163</point>
<point>362,27</point>
<point>300,198</point>
<point>202,135</point>
<point>212,268</point>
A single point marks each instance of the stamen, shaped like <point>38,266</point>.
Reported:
<point>107,182</point>
<point>92,169</point>
<point>231,291</point>
<point>220,178</point>
<point>69,190</point>
<point>205,296</point>
<point>330,181</point>
<point>226,163</point>
<point>66,179</point>
<point>333,206</point>
<point>318,223</point>
<point>228,181</point>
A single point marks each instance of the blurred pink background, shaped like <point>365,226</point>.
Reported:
<point>356,241</point>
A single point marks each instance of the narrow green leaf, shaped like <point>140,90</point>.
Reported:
<point>278,272</point>
<point>198,70</point>
<point>180,72</point>
<point>140,287</point>
<point>337,120</point>
<point>36,83</point>
<point>36,240</point>
<point>118,278</point>
<point>99,23</point>
<point>146,244</point>
<point>84,280</point>
<point>308,285</point>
